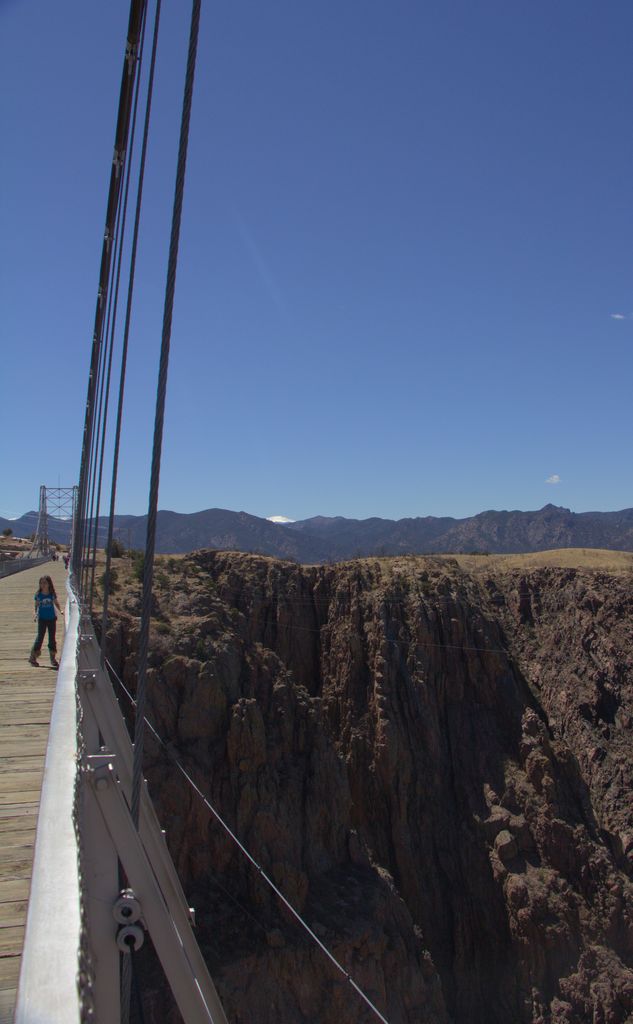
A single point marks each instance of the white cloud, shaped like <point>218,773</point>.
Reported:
<point>279,519</point>
<point>617,316</point>
<point>553,479</point>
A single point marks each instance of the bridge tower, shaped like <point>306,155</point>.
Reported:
<point>56,503</point>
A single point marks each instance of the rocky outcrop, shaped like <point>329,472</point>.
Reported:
<point>435,768</point>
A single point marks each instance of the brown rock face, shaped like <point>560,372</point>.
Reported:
<point>434,767</point>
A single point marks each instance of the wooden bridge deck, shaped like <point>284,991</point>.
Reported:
<point>26,698</point>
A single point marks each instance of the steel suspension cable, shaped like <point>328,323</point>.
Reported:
<point>148,575</point>
<point>137,8</point>
<point>127,969</point>
<point>106,350</point>
<point>100,417</point>
<point>115,303</point>
<point>126,331</point>
<point>97,445</point>
<point>90,472</point>
<point>91,523</point>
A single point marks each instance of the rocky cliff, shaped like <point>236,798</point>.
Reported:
<point>435,766</point>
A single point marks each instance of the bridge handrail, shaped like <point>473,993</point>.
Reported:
<point>48,988</point>
<point>9,566</point>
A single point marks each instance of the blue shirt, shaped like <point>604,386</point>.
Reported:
<point>45,606</point>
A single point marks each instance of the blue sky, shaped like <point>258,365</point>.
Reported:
<point>407,229</point>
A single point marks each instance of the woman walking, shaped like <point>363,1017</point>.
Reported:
<point>45,604</point>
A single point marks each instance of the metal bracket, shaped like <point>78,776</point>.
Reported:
<point>127,909</point>
<point>131,56</point>
<point>103,770</point>
<point>87,678</point>
<point>194,992</point>
<point>101,707</point>
<point>118,160</point>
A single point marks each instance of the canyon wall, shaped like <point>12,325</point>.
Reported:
<point>434,766</point>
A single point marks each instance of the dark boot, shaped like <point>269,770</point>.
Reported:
<point>53,657</point>
<point>33,657</point>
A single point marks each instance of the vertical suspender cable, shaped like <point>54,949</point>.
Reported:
<point>115,303</point>
<point>102,420</point>
<point>126,331</point>
<point>90,537</point>
<point>90,469</point>
<point>148,576</point>
<point>137,8</point>
<point>106,341</point>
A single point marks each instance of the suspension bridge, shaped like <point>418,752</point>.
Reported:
<point>85,872</point>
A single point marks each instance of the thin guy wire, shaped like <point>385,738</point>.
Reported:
<point>248,855</point>
<point>397,643</point>
<point>318,630</point>
<point>126,330</point>
<point>160,413</point>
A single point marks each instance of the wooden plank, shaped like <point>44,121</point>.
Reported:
<point>27,807</point>
<point>16,839</point>
<point>13,704</point>
<point>11,940</point>
<point>20,781</point>
<point>29,745</point>
<point>15,889</point>
<point>26,731</point>
<point>33,713</point>
<point>7,1005</point>
<point>23,739</point>
<point>21,763</point>
<point>15,861</point>
<point>16,823</point>
<point>25,796</point>
<point>9,971</point>
<point>13,913</point>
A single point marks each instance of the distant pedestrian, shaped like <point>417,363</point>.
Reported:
<point>66,561</point>
<point>45,604</point>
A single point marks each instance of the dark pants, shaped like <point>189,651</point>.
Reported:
<point>42,626</point>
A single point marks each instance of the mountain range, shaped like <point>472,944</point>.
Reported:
<point>325,539</point>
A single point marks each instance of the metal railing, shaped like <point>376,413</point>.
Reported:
<point>8,566</point>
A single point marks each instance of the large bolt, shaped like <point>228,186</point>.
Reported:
<point>130,938</point>
<point>127,909</point>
